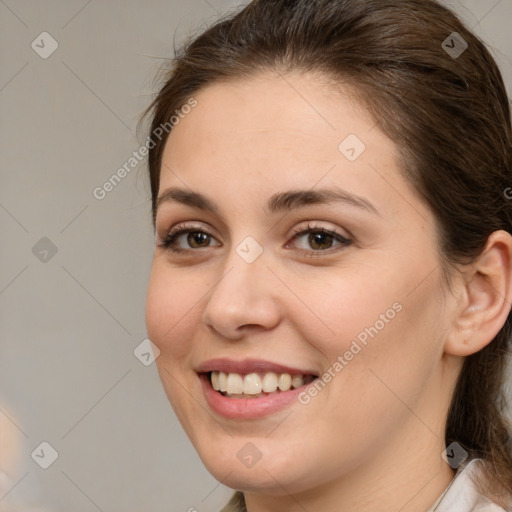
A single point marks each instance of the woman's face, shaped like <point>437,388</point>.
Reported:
<point>254,292</point>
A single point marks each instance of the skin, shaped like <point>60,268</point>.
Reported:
<point>372,439</point>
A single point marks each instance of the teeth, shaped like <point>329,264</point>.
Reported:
<point>285,382</point>
<point>254,384</point>
<point>215,381</point>
<point>235,384</point>
<point>223,381</point>
<point>270,382</point>
<point>297,381</point>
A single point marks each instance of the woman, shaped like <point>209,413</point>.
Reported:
<point>331,284</point>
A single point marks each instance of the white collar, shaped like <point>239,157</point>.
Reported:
<point>461,495</point>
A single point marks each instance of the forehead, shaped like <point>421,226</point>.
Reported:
<point>293,107</point>
<point>271,120</point>
<point>277,132</point>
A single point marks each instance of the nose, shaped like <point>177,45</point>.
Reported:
<point>243,299</point>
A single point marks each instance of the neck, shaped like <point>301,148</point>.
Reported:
<point>401,477</point>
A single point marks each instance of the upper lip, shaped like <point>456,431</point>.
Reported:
<point>249,366</point>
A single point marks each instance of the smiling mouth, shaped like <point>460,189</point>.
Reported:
<point>256,385</point>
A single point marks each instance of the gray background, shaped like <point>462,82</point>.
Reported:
<point>70,324</point>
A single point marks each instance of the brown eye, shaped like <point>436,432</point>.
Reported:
<point>321,239</point>
<point>195,239</point>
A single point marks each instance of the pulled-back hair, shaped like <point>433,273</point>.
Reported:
<point>447,112</point>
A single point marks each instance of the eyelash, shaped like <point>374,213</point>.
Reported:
<point>168,242</point>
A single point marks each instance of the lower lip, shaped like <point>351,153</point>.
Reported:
<point>247,408</point>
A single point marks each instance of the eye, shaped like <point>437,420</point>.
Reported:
<point>320,238</point>
<point>197,238</point>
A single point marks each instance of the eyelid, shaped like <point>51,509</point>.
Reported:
<point>313,226</point>
<point>181,229</point>
<point>200,226</point>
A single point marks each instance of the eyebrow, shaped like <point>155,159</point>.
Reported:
<point>277,203</point>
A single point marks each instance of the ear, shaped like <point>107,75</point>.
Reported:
<point>485,298</point>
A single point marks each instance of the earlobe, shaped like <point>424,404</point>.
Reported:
<point>487,297</point>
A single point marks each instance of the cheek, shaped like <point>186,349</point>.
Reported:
<point>382,306</point>
<point>379,333</point>
<point>344,305</point>
<point>170,317</point>
<point>393,349</point>
<point>171,310</point>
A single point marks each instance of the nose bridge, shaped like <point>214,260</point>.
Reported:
<point>244,268</point>
<point>243,294</point>
<point>245,265</point>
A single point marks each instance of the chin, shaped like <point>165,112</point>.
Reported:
<point>237,463</point>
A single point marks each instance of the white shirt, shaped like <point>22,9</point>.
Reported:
<point>461,495</point>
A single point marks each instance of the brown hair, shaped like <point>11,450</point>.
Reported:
<point>448,114</point>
